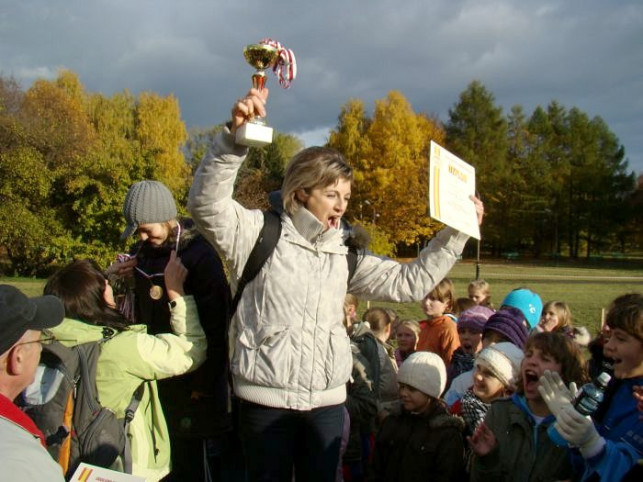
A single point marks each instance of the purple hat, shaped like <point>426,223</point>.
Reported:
<point>475,318</point>
<point>510,323</point>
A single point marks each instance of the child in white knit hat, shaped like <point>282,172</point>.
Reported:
<point>424,441</point>
<point>495,371</point>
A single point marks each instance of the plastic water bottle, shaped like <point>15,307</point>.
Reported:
<point>591,395</point>
<point>586,402</point>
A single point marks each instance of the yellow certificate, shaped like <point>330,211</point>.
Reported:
<point>451,182</point>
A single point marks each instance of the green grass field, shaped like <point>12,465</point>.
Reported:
<point>587,290</point>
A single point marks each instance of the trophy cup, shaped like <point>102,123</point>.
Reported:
<point>256,132</point>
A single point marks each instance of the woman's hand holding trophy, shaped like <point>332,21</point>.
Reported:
<point>248,114</point>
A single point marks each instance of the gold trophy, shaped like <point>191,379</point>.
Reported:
<point>256,132</point>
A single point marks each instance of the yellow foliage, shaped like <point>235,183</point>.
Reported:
<point>389,154</point>
<point>161,132</point>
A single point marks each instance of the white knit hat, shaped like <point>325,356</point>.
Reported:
<point>424,371</point>
<point>503,360</point>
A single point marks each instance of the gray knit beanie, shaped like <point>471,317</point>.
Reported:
<point>147,202</point>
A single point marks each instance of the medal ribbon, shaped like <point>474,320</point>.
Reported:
<point>149,277</point>
<point>286,66</point>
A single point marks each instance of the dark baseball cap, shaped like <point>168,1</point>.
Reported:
<point>18,313</point>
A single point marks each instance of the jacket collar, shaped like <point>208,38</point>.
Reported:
<point>10,412</point>
<point>521,403</point>
<point>312,231</point>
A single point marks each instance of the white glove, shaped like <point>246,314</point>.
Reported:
<point>554,392</point>
<point>579,431</point>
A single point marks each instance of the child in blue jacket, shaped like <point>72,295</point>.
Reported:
<point>611,445</point>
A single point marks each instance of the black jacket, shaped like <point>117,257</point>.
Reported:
<point>195,404</point>
<point>419,447</point>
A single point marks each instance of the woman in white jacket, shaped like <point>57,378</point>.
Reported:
<point>290,354</point>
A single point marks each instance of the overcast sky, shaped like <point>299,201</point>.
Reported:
<point>581,53</point>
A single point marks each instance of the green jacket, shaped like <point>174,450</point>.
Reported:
<point>132,357</point>
<point>524,451</point>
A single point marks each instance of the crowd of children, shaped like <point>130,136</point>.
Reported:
<point>492,423</point>
<point>468,393</point>
<point>466,397</point>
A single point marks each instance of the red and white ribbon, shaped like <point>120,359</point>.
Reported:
<point>286,66</point>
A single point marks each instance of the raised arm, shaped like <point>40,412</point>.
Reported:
<point>378,278</point>
<point>226,224</point>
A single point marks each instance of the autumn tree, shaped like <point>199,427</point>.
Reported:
<point>389,154</point>
<point>161,133</point>
<point>68,158</point>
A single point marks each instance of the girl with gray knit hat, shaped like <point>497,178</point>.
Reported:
<point>195,405</point>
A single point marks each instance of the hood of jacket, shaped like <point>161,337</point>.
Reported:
<point>438,418</point>
<point>75,332</point>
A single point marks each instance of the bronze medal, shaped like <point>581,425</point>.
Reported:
<point>156,292</point>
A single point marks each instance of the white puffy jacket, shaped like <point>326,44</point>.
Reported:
<point>289,348</point>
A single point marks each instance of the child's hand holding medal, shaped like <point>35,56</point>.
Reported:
<point>175,275</point>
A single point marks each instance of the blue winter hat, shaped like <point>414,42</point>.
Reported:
<point>526,301</point>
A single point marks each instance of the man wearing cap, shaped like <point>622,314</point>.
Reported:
<point>22,319</point>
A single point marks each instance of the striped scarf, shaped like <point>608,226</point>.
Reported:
<point>473,410</point>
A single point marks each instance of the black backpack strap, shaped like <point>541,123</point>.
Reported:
<point>130,411</point>
<point>263,248</point>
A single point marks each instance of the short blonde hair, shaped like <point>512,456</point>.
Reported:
<point>479,284</point>
<point>315,167</point>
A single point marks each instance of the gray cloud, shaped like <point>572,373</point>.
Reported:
<point>583,53</point>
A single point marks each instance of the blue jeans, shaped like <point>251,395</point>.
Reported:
<point>276,440</point>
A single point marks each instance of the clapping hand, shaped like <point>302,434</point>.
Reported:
<point>483,440</point>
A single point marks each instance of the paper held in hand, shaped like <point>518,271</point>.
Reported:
<point>91,473</point>
<point>451,182</point>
